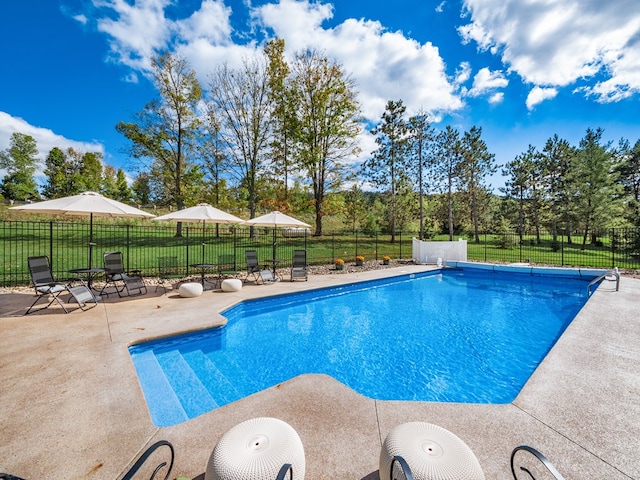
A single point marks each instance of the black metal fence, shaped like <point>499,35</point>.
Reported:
<point>67,245</point>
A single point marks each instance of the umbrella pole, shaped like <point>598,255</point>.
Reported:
<point>274,252</point>
<point>90,240</point>
<point>203,232</point>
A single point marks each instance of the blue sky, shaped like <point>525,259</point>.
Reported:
<point>523,70</point>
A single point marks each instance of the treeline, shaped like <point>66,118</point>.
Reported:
<point>66,172</point>
<point>277,134</point>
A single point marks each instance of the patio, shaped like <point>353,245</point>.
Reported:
<point>71,406</point>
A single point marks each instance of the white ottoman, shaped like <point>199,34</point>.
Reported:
<point>231,285</point>
<point>190,290</point>
<point>256,449</point>
<point>432,453</point>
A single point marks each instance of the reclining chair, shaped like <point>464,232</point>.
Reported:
<point>299,265</point>
<point>168,270</point>
<point>46,286</point>
<point>116,276</point>
<point>253,269</point>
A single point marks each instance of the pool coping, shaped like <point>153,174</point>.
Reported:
<point>86,418</point>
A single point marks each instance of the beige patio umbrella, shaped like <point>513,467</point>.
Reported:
<point>276,219</point>
<point>85,203</point>
<point>203,212</point>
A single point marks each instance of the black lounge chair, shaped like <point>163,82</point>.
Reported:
<point>46,286</point>
<point>299,265</point>
<point>168,271</point>
<point>116,276</point>
<point>528,469</point>
<point>254,271</point>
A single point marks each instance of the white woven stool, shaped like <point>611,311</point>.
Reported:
<point>256,449</point>
<point>432,453</point>
<point>190,290</point>
<point>231,285</point>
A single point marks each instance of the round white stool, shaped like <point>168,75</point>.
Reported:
<point>190,290</point>
<point>432,453</point>
<point>256,449</point>
<point>231,285</point>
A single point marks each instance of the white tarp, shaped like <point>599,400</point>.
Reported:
<point>439,252</point>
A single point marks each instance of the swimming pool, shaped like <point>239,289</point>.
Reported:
<point>457,335</point>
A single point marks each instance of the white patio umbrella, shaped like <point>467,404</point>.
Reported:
<point>276,219</point>
<point>85,203</point>
<point>203,212</point>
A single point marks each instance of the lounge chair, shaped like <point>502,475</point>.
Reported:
<point>399,469</point>
<point>299,265</point>
<point>46,286</point>
<point>254,271</point>
<point>528,469</point>
<point>168,271</point>
<point>142,460</point>
<point>226,268</point>
<point>116,276</point>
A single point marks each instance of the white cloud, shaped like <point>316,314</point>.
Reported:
<point>538,95</point>
<point>386,65</point>
<point>44,137</point>
<point>81,19</point>
<point>558,43</point>
<point>138,31</point>
<point>496,98</point>
<point>463,73</point>
<point>486,81</point>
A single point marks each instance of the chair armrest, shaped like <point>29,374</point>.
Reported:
<point>286,468</point>
<point>544,460</point>
<point>406,471</point>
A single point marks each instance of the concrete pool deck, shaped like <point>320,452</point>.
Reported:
<point>71,406</point>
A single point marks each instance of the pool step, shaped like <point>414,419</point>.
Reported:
<point>242,383</point>
<point>192,394</point>
<point>164,406</point>
<point>216,383</point>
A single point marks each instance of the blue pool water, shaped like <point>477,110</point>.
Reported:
<point>450,336</point>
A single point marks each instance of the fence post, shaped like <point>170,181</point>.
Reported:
<point>186,244</point>
<point>613,248</point>
<point>356,245</point>
<point>51,243</point>
<point>562,250</point>
<point>128,246</point>
<point>485,246</point>
<point>400,235</point>
<point>376,246</point>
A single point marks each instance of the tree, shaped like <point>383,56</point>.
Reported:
<point>166,129</point>
<point>56,172</point>
<point>556,158</point>
<point>283,117</point>
<point>142,189</point>
<point>215,161</point>
<point>597,189</point>
<point>476,165</point>
<point>354,207</point>
<point>20,161</point>
<point>90,177</point>
<point>447,160</point>
<point>387,166</point>
<point>240,103</point>
<point>628,170</point>
<point>109,188</point>
<point>123,192</point>
<point>327,123</point>
<point>420,141</point>
<point>517,186</point>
